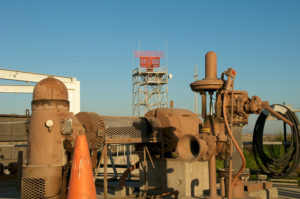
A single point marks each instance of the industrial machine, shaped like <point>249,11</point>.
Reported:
<point>229,114</point>
<point>167,132</point>
<point>52,134</point>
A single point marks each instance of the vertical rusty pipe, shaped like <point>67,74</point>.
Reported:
<point>128,159</point>
<point>211,65</point>
<point>212,177</point>
<point>162,164</point>
<point>105,171</point>
<point>222,186</point>
<point>203,95</point>
<point>230,187</point>
<point>210,103</point>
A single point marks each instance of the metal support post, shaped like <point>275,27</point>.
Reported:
<point>163,175</point>
<point>105,171</point>
<point>222,186</point>
<point>145,167</point>
<point>128,159</point>
<point>112,163</point>
<point>212,177</point>
<point>203,95</point>
<point>19,174</point>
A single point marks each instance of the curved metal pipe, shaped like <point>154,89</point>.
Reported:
<point>236,145</point>
<point>190,148</point>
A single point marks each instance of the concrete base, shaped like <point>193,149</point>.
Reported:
<point>270,193</point>
<point>189,178</point>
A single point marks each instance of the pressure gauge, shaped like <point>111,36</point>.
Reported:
<point>49,123</point>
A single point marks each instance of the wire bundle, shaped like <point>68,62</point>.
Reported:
<point>287,163</point>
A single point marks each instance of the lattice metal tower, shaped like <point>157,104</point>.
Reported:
<point>149,83</point>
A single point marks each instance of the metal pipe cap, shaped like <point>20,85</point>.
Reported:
<point>50,89</point>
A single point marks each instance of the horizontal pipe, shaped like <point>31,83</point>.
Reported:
<point>279,116</point>
<point>269,143</point>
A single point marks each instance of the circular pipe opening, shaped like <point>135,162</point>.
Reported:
<point>188,148</point>
<point>195,147</point>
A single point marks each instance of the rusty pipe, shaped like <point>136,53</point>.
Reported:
<point>127,172</point>
<point>222,186</point>
<point>278,115</point>
<point>175,193</point>
<point>190,148</point>
<point>231,184</point>
<point>105,172</point>
<point>203,95</point>
<point>212,177</point>
<point>211,65</point>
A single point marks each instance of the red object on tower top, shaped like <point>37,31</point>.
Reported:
<point>149,59</point>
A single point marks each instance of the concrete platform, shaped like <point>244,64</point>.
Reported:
<point>8,190</point>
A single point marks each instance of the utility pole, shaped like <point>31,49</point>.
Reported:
<point>196,77</point>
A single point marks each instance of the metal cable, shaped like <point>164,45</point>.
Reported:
<point>287,163</point>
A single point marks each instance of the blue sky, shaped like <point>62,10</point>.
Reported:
<point>93,41</point>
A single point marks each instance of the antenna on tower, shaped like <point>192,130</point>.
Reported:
<point>196,78</point>
<point>132,61</point>
<point>139,46</point>
<point>166,50</point>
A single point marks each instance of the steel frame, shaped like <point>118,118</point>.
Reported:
<point>149,90</point>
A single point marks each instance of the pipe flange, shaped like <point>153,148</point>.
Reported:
<point>207,85</point>
<point>223,151</point>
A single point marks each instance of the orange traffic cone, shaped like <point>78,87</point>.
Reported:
<point>81,184</point>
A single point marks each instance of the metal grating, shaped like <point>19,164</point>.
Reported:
<point>101,130</point>
<point>94,127</point>
<point>129,129</point>
<point>33,188</point>
<point>125,127</point>
<point>118,130</point>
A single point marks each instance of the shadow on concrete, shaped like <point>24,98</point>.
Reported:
<point>290,193</point>
<point>194,185</point>
<point>8,186</point>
